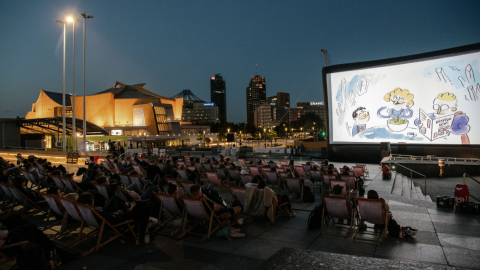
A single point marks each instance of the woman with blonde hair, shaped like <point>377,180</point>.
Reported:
<point>402,100</point>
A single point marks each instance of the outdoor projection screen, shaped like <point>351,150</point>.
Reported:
<point>433,100</point>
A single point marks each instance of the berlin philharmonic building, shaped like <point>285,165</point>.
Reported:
<point>128,111</point>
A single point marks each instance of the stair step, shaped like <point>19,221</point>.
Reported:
<point>418,190</point>
<point>420,197</point>
<point>397,188</point>
<point>427,198</point>
<point>405,188</point>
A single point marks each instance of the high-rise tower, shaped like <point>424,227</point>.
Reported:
<point>218,95</point>
<point>256,96</point>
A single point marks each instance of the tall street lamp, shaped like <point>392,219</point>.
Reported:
<point>64,145</point>
<point>74,127</point>
<point>85,17</point>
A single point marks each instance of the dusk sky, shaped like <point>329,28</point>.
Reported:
<point>176,45</point>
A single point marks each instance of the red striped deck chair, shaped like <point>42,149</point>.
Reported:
<point>295,186</point>
<point>336,207</point>
<point>373,211</point>
<point>170,204</point>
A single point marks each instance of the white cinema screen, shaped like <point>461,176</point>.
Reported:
<point>433,100</point>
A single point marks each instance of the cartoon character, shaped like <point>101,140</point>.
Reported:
<point>361,117</point>
<point>444,104</point>
<point>402,100</point>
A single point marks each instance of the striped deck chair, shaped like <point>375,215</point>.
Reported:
<point>191,168</point>
<point>301,172</point>
<point>242,163</point>
<point>373,211</point>
<point>265,170</point>
<point>272,165</point>
<point>121,193</point>
<point>160,166</point>
<point>336,207</point>
<point>52,203</point>
<point>140,183</point>
<point>294,186</point>
<point>92,219</point>
<point>307,168</point>
<point>199,167</point>
<point>238,194</point>
<point>139,170</point>
<point>284,163</point>
<point>75,215</point>
<point>197,209</point>
<point>59,182</point>
<point>169,203</point>
<point>26,202</point>
<point>102,189</point>
<point>71,185</point>
<point>365,172</point>
<point>8,195</point>
<point>316,176</point>
<point>272,178</point>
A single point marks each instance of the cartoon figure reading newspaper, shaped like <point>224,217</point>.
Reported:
<point>445,120</point>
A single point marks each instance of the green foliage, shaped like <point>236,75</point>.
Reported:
<point>397,120</point>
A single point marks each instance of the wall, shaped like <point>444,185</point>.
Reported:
<point>100,109</point>
<point>311,145</point>
<point>9,133</point>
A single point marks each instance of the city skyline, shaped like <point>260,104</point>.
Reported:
<point>175,46</point>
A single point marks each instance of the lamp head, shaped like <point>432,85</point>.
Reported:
<point>59,21</point>
<point>84,14</point>
<point>69,19</point>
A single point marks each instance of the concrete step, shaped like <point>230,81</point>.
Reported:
<point>418,190</point>
<point>427,198</point>
<point>405,187</point>
<point>397,188</point>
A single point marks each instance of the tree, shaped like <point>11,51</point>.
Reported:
<point>222,134</point>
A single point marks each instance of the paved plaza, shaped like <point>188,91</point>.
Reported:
<point>445,240</point>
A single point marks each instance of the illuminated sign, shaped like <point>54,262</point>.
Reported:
<point>209,104</point>
<point>316,103</point>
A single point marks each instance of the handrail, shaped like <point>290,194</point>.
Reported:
<point>465,182</point>
<point>430,157</point>
<point>411,178</point>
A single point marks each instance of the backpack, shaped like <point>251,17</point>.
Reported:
<point>315,218</point>
<point>393,228</point>
<point>308,195</point>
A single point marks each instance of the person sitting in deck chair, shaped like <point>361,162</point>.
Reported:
<point>172,190</point>
<point>337,191</point>
<point>235,211</point>
<point>21,184</point>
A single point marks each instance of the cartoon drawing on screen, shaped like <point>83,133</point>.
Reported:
<point>361,117</point>
<point>442,76</point>
<point>402,100</point>
<point>445,120</point>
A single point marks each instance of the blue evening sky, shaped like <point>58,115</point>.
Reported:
<point>175,45</point>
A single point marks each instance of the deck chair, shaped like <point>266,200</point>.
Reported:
<point>58,181</point>
<point>222,174</point>
<point>284,163</point>
<point>316,176</point>
<point>301,172</point>
<point>336,207</point>
<point>197,209</point>
<point>23,200</point>
<point>36,180</point>
<point>207,167</point>
<point>242,163</point>
<point>52,203</point>
<point>121,193</point>
<point>71,185</point>
<point>199,167</point>
<point>125,179</point>
<point>102,189</point>
<point>351,181</point>
<point>287,168</point>
<point>238,194</point>
<point>214,179</point>
<point>254,171</point>
<point>140,183</point>
<point>365,171</point>
<point>246,178</point>
<point>294,186</point>
<point>8,195</point>
<point>280,170</point>
<point>182,174</point>
<point>180,163</point>
<point>106,165</point>
<point>272,178</point>
<point>265,170</point>
<point>272,165</point>
<point>90,217</point>
<point>326,181</point>
<point>234,175</point>
<point>373,211</point>
<point>139,170</point>
<point>191,168</point>
<point>160,166</point>
<point>5,258</point>
<point>75,215</point>
<point>307,168</point>
<point>342,183</point>
<point>169,203</point>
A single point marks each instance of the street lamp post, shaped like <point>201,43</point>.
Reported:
<point>64,145</point>
<point>286,136</point>
<point>85,17</point>
<point>74,127</point>
<point>301,132</point>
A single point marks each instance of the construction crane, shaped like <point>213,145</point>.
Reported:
<point>327,58</point>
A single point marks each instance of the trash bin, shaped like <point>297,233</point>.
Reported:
<point>461,195</point>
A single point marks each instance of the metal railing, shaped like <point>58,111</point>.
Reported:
<point>433,157</point>
<point>465,182</point>
<point>411,176</point>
